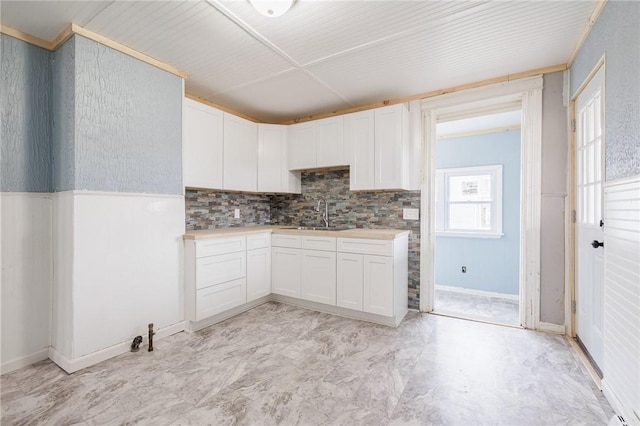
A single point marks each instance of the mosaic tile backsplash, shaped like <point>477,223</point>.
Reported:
<point>353,209</point>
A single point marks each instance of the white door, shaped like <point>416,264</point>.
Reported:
<point>589,226</point>
<point>359,133</point>
<point>240,153</point>
<point>202,145</point>
<point>329,146</point>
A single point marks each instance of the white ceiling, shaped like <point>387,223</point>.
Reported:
<point>323,55</point>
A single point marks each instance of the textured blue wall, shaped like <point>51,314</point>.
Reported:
<point>492,264</point>
<point>128,123</point>
<point>25,79</point>
<point>63,113</point>
<point>616,33</point>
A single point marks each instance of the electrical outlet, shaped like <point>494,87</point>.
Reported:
<point>464,269</point>
<point>236,213</point>
<point>410,214</point>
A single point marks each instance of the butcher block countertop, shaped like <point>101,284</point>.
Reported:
<point>374,234</point>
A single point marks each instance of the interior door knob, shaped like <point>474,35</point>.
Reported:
<point>596,244</point>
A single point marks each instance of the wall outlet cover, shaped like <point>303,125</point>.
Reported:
<point>411,214</point>
<point>236,213</point>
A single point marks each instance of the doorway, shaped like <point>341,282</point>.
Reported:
<point>477,198</point>
<point>588,241</point>
<point>525,94</point>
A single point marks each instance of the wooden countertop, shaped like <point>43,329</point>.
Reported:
<point>375,234</point>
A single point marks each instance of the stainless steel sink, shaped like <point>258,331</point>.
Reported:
<point>316,228</point>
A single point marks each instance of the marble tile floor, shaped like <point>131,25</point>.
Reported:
<point>280,364</point>
<point>493,309</point>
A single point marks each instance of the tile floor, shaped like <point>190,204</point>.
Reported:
<point>483,308</point>
<point>279,364</point>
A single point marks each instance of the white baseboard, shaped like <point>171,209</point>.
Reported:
<point>73,365</point>
<point>548,327</point>
<point>629,415</point>
<point>199,325</point>
<point>24,361</point>
<point>477,292</point>
<point>336,310</point>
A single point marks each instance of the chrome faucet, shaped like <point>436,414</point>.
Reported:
<point>325,215</point>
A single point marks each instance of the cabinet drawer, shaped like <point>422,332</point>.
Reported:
<point>216,246</point>
<point>218,298</point>
<point>284,240</point>
<point>319,243</point>
<point>257,241</point>
<point>214,270</point>
<point>364,246</point>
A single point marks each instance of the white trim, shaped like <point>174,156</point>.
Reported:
<point>630,417</point>
<point>27,194</point>
<point>478,132</point>
<point>475,292</point>
<point>24,361</point>
<point>455,234</point>
<point>116,194</point>
<point>73,365</point>
<point>529,92</point>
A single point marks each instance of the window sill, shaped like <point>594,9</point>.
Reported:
<point>468,234</point>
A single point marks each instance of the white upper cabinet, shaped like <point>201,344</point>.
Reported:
<point>240,154</point>
<point>359,131</point>
<point>273,172</point>
<point>330,143</point>
<point>317,144</point>
<point>379,141</point>
<point>203,142</point>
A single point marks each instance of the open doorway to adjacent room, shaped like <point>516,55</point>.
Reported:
<point>477,216</point>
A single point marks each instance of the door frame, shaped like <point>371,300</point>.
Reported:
<point>570,225</point>
<point>527,92</point>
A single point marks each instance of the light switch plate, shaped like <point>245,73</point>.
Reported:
<point>236,213</point>
<point>410,214</point>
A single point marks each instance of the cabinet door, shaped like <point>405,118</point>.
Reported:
<point>302,146</point>
<point>378,285</point>
<point>219,298</point>
<point>203,139</point>
<point>389,147</point>
<point>359,131</point>
<point>285,271</point>
<point>319,276</point>
<point>258,273</point>
<point>240,154</point>
<point>350,280</point>
<point>330,143</point>
<point>272,156</point>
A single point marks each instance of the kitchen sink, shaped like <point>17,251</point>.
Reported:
<point>316,228</point>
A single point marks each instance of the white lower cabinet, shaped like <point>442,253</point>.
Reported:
<point>319,276</point>
<point>258,266</point>
<point>350,281</point>
<point>215,276</point>
<point>372,276</point>
<point>358,274</point>
<point>285,271</point>
<point>378,285</point>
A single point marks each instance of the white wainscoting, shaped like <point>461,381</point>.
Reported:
<point>125,267</point>
<point>621,381</point>
<point>27,275</point>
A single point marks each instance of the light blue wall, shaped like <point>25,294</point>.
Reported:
<point>617,34</point>
<point>25,79</point>
<point>492,264</point>
<point>63,113</point>
<point>128,123</point>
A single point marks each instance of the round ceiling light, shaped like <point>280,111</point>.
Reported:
<point>272,8</point>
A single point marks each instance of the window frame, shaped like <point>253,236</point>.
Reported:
<point>443,206</point>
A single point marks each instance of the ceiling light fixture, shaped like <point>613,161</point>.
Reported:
<point>272,8</point>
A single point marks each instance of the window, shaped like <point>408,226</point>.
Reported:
<point>469,202</point>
